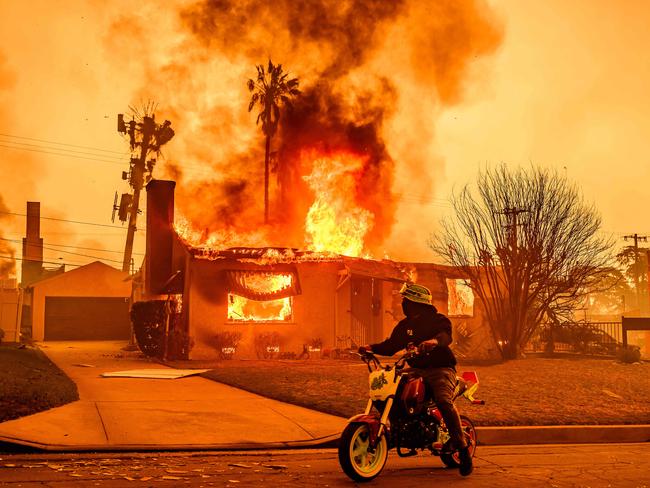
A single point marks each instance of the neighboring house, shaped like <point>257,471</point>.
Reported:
<point>90,302</point>
<point>298,298</point>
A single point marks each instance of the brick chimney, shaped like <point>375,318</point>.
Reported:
<point>32,265</point>
<point>160,236</point>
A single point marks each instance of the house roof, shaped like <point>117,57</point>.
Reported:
<point>266,256</point>
<point>95,265</point>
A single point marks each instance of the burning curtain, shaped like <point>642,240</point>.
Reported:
<point>263,285</point>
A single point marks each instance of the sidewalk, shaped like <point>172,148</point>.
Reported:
<point>132,414</point>
<point>141,414</point>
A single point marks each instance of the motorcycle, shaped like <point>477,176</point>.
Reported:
<point>399,415</point>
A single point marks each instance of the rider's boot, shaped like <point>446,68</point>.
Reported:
<point>465,459</point>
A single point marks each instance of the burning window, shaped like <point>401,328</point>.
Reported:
<point>460,299</point>
<point>261,296</point>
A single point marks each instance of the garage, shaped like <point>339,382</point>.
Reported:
<point>90,302</point>
<point>86,318</point>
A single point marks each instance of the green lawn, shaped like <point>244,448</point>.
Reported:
<point>532,391</point>
<point>30,383</point>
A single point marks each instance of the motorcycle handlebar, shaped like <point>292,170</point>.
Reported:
<point>369,357</point>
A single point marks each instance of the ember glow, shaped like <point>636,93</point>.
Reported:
<point>242,309</point>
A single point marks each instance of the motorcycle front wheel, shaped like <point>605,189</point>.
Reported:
<point>356,460</point>
<point>452,460</point>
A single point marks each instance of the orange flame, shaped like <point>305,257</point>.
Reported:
<point>242,309</point>
<point>335,222</point>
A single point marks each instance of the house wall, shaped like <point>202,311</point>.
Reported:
<point>92,280</point>
<point>314,311</point>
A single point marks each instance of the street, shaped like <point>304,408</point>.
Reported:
<point>595,465</point>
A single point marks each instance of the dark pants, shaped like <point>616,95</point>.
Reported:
<point>441,383</point>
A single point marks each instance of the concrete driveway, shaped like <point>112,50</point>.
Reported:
<point>140,414</point>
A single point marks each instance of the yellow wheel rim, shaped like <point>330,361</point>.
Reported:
<point>364,462</point>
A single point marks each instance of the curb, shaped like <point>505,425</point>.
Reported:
<point>563,434</point>
<point>487,436</point>
<point>21,445</point>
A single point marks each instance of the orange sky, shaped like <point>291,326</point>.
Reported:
<point>567,88</point>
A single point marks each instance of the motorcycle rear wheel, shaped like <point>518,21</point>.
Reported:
<point>354,458</point>
<point>451,460</point>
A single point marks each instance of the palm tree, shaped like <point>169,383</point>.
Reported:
<point>270,90</point>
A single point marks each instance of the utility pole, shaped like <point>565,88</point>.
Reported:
<point>513,216</point>
<point>637,273</point>
<point>145,137</point>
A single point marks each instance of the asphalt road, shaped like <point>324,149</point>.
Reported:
<point>595,465</point>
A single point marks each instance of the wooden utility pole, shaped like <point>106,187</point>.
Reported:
<point>637,272</point>
<point>147,137</point>
<point>137,182</point>
<point>513,217</point>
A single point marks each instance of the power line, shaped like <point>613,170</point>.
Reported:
<point>71,247</point>
<point>65,151</point>
<point>67,220</point>
<point>92,249</point>
<point>78,254</point>
<point>61,143</point>
<point>62,154</point>
<point>39,261</point>
<point>184,168</point>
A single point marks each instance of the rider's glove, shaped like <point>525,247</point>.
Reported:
<point>365,349</point>
<point>427,346</point>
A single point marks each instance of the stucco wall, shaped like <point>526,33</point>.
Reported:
<point>313,310</point>
<point>93,280</point>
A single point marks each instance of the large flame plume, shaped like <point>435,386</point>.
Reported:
<point>335,221</point>
<point>374,75</point>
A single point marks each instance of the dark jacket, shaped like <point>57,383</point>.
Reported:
<point>425,326</point>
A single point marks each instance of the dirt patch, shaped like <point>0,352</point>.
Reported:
<point>533,391</point>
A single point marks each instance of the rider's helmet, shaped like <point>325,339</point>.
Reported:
<point>416,293</point>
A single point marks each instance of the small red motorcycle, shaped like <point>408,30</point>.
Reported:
<point>400,416</point>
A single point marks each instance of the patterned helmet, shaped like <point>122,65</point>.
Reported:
<point>416,293</point>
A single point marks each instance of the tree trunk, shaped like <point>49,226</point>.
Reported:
<point>511,350</point>
<point>266,179</point>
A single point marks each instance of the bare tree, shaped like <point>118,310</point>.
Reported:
<point>529,246</point>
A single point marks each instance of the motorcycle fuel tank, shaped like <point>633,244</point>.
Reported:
<point>412,396</point>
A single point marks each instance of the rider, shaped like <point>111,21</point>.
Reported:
<point>431,332</point>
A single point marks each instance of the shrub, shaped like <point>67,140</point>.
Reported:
<point>149,320</point>
<point>225,343</point>
<point>315,345</point>
<point>267,345</point>
<point>629,354</point>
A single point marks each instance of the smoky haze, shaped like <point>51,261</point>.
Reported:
<point>371,73</point>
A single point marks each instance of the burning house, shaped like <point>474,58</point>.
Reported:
<point>274,301</point>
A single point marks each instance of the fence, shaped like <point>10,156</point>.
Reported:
<point>10,313</point>
<point>599,338</point>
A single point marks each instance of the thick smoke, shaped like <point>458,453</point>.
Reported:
<point>7,266</point>
<point>7,81</point>
<point>374,75</point>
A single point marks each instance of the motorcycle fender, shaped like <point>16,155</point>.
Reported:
<point>372,420</point>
